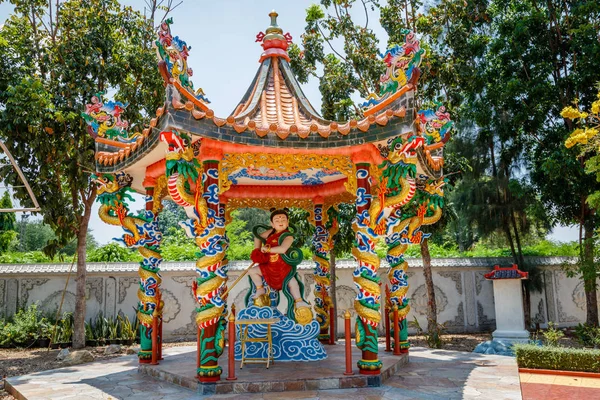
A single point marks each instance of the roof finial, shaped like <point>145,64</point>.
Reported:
<point>274,28</point>
<point>274,42</point>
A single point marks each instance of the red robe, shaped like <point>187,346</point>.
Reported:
<point>271,265</point>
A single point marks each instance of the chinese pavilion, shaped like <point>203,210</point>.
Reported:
<point>274,150</point>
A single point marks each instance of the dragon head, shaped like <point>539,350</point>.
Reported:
<point>435,187</point>
<point>113,189</point>
<point>404,149</point>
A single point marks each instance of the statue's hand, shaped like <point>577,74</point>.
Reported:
<point>266,248</point>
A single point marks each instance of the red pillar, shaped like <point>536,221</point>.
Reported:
<point>388,345</point>
<point>331,325</point>
<point>231,348</point>
<point>154,340</point>
<point>396,331</point>
<point>348,344</point>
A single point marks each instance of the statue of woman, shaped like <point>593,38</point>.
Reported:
<point>271,253</point>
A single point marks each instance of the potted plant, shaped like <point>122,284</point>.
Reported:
<point>45,333</point>
<point>127,331</point>
<point>90,340</point>
<point>113,331</point>
<point>65,333</point>
<point>100,329</point>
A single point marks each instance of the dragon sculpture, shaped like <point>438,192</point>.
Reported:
<point>323,244</point>
<point>207,228</point>
<point>409,195</point>
<point>141,233</point>
<point>104,120</point>
<point>402,67</point>
<point>174,53</point>
<point>422,205</point>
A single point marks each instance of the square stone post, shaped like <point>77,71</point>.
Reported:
<point>508,303</point>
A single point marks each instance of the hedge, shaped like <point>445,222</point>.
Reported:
<point>557,358</point>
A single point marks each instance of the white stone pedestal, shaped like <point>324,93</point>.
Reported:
<point>510,319</point>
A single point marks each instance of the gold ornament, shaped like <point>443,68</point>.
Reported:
<point>303,315</point>
<point>262,301</point>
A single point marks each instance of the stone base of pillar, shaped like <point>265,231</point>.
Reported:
<point>509,337</point>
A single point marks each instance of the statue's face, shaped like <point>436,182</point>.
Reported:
<point>280,222</point>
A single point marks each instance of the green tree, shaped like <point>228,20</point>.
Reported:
<point>508,67</point>
<point>241,239</point>
<point>346,52</point>
<point>170,216</point>
<point>53,58</point>
<point>8,235</point>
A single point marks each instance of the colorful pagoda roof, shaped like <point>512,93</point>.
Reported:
<point>273,113</point>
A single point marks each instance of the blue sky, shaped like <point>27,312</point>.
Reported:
<point>224,57</point>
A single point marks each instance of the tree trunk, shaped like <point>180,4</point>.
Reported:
<point>79,316</point>
<point>431,305</point>
<point>333,294</point>
<point>522,266</point>
<point>589,273</point>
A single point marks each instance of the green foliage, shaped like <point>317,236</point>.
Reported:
<point>588,335</point>
<point>64,329</point>
<point>344,239</point>
<point>8,235</point>
<point>7,219</point>
<point>170,216</point>
<point>24,327</point>
<point>127,329</point>
<point>552,335</point>
<point>113,252</point>
<point>557,358</point>
<point>346,52</point>
<point>30,257</point>
<point>433,337</point>
<point>50,69</point>
<point>176,246</point>
<point>241,240</point>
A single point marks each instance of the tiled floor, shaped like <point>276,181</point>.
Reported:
<point>180,368</point>
<point>430,375</point>
<point>550,387</point>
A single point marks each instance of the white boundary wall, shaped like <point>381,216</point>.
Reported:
<point>465,299</point>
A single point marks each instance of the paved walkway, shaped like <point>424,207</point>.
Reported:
<point>430,375</point>
<point>555,387</point>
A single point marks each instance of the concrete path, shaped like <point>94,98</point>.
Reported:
<point>430,375</point>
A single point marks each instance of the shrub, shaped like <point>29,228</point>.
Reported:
<point>557,358</point>
<point>433,338</point>
<point>552,335</point>
<point>588,335</point>
<point>112,252</point>
<point>26,326</point>
<point>64,329</point>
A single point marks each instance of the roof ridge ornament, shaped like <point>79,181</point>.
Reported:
<point>402,70</point>
<point>274,42</point>
<point>173,53</point>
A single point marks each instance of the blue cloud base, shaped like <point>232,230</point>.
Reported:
<point>291,341</point>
